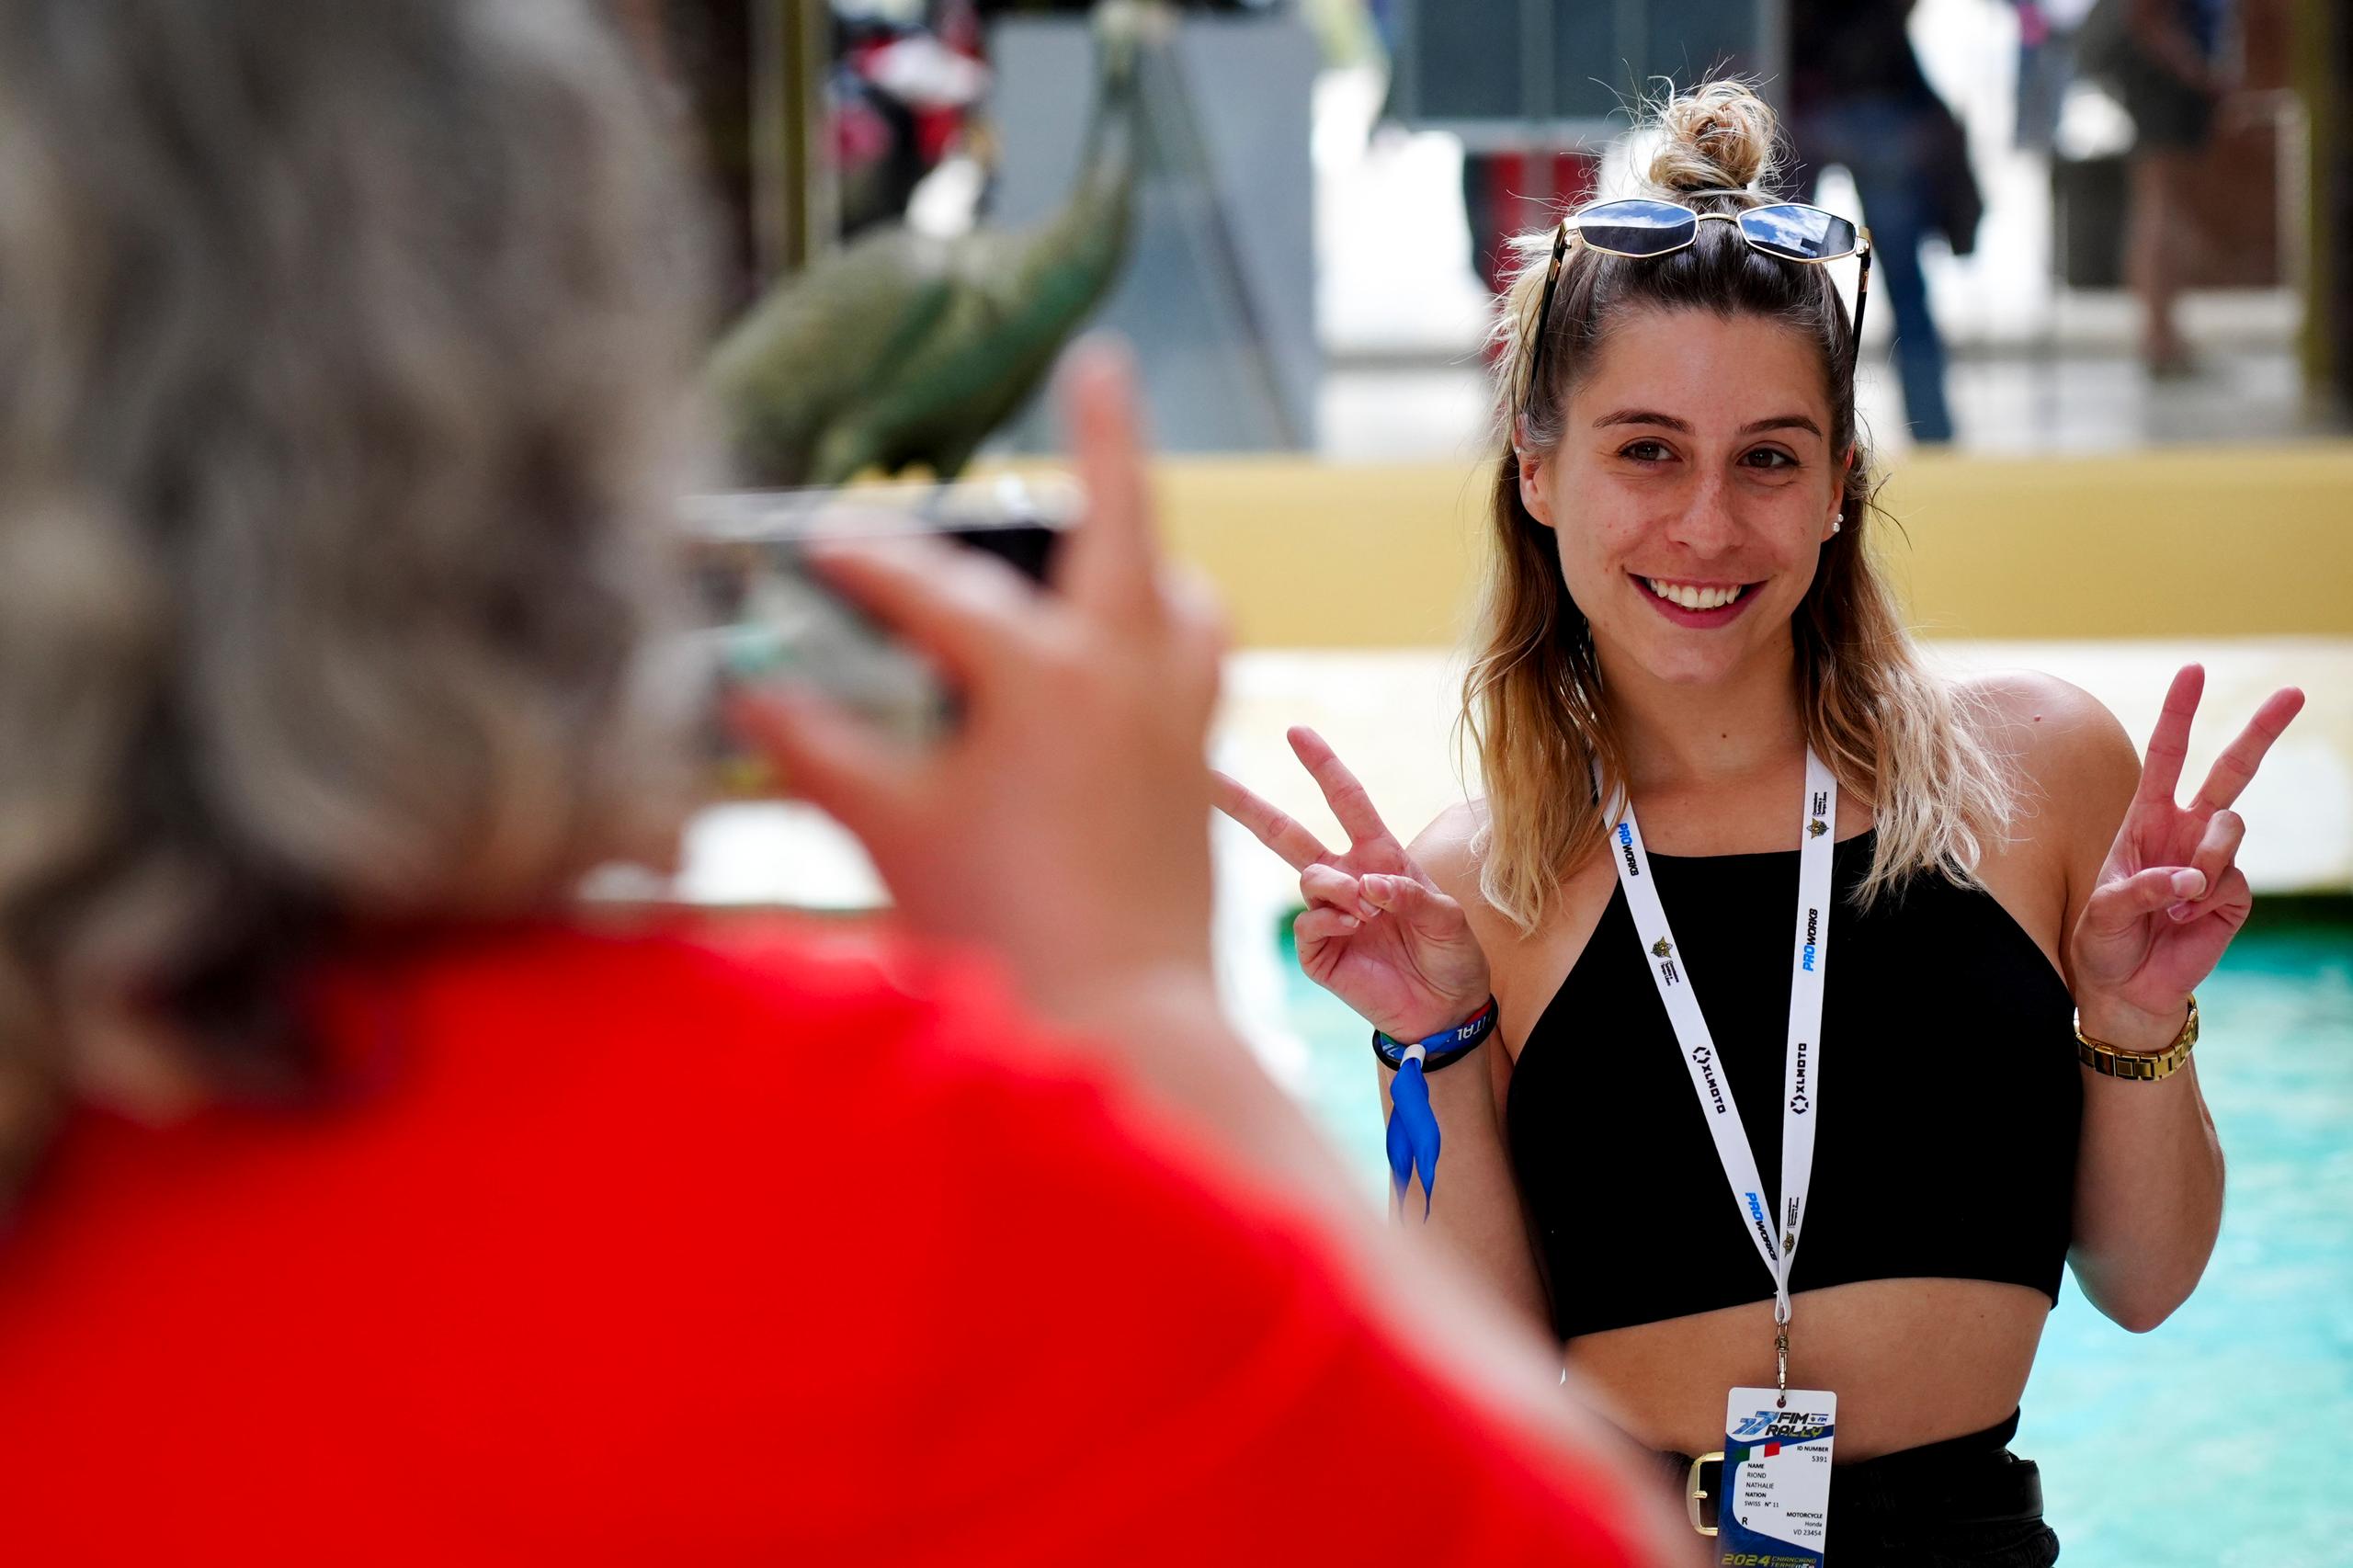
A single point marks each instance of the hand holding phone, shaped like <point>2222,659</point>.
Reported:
<point>1064,821</point>
<point>767,616</point>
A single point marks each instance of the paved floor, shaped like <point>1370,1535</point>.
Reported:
<point>1390,715</point>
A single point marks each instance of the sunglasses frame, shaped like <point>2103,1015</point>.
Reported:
<point>1570,225</point>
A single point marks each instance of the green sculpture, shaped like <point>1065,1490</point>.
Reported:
<point>904,349</point>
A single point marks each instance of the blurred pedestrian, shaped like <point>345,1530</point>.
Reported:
<point>1859,99</point>
<point>366,1201</point>
<point>2164,57</point>
<point>2047,32</point>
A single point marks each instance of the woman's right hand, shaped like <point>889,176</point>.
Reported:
<point>1377,932</point>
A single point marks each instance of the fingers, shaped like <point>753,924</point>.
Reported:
<point>1271,827</point>
<point>1200,634</point>
<point>861,779</point>
<point>2234,900</point>
<point>2115,907</point>
<point>2169,742</point>
<point>2235,768</point>
<point>1323,924</point>
<point>960,606</point>
<point>1109,567</point>
<point>2216,851</point>
<point>1431,914</point>
<point>1348,799</point>
<point>1328,886</point>
<point>2218,915</point>
<point>2227,895</point>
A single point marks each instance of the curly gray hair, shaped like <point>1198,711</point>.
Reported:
<point>342,351</point>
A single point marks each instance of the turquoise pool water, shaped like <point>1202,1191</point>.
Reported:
<point>2217,1440</point>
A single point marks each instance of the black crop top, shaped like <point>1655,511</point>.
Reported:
<point>1947,1090</point>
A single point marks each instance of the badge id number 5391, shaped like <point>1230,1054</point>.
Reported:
<point>1773,1508</point>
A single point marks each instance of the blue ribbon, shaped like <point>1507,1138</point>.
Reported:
<point>1413,1133</point>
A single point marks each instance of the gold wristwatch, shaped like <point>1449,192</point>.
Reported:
<point>2147,1066</point>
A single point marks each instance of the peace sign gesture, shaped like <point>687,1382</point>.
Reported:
<point>2170,897</point>
<point>1376,933</point>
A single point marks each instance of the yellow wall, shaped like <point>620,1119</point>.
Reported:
<point>2222,542</point>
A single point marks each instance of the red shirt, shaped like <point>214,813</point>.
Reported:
<point>641,1248</point>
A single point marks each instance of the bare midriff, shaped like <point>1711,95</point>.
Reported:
<point>1911,1361</point>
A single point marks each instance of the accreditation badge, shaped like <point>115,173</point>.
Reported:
<point>1773,1508</point>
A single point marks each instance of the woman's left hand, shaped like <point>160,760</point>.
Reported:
<point>2170,896</point>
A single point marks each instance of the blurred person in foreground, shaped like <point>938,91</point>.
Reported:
<point>367,1202</point>
<point>1838,1093</point>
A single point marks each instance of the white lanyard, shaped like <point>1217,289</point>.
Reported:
<point>1818,829</point>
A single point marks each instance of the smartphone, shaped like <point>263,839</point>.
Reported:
<point>764,616</point>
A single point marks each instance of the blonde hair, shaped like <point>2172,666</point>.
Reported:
<point>342,356</point>
<point>1533,706</point>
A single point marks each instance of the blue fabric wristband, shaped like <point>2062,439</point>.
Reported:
<point>1441,1050</point>
<point>1413,1125</point>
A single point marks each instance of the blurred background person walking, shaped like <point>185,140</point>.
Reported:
<point>1858,99</point>
<point>2165,59</point>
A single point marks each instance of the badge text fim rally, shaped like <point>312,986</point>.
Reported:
<point>1775,1511</point>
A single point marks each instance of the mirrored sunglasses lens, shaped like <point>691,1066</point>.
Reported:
<point>1801,233</point>
<point>1635,228</point>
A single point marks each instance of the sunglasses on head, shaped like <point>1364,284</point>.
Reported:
<point>1639,227</point>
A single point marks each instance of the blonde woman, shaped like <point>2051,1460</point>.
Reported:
<point>1692,703</point>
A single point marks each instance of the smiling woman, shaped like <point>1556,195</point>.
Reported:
<point>1684,634</point>
<point>1762,483</point>
<point>1714,383</point>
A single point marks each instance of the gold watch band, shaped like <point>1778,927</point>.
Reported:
<point>2144,1066</point>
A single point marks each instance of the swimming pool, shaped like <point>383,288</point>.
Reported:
<point>2214,1441</point>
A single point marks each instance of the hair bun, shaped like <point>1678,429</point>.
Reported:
<point>1719,136</point>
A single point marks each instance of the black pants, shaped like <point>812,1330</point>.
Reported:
<point>1965,1503</point>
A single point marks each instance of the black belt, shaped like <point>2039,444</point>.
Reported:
<point>1973,1480</point>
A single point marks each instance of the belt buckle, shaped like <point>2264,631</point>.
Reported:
<point>1694,1494</point>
